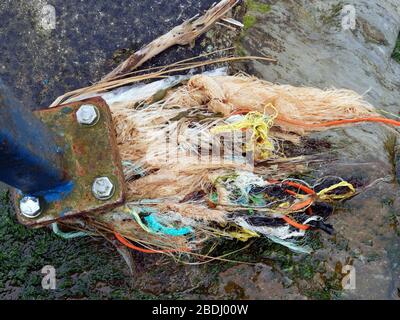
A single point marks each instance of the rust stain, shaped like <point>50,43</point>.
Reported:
<point>80,171</point>
<point>89,152</point>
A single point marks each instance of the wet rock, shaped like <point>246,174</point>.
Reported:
<point>371,33</point>
<point>256,282</point>
<point>161,276</point>
<point>43,64</point>
<point>312,49</point>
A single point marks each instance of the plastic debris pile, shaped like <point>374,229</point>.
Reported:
<point>203,160</point>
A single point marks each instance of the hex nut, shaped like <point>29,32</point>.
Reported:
<point>103,188</point>
<point>30,207</point>
<point>87,115</point>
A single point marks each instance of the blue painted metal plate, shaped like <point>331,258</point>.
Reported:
<point>89,152</point>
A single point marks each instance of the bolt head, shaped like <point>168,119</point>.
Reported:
<point>87,114</point>
<point>103,188</point>
<point>30,207</point>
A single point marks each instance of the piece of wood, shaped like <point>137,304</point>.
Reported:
<point>183,34</point>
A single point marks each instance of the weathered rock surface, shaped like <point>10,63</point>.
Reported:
<point>313,49</point>
<point>255,283</point>
<point>90,38</point>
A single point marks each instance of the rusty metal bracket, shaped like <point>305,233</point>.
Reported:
<point>89,152</point>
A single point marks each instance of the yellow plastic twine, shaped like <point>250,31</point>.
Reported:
<point>137,218</point>
<point>241,234</point>
<point>326,196</point>
<point>260,124</point>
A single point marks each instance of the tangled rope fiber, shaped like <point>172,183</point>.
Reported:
<point>175,206</point>
<point>260,124</point>
<point>128,244</point>
<point>324,195</point>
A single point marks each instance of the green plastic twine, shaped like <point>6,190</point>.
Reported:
<point>67,235</point>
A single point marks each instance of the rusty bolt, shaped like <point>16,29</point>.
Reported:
<point>30,207</point>
<point>87,115</point>
<point>103,188</point>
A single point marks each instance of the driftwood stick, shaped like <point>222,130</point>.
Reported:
<point>183,34</point>
<point>100,87</point>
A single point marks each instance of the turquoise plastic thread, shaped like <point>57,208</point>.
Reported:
<point>154,225</point>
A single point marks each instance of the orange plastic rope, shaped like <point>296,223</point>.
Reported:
<point>295,185</point>
<point>239,111</point>
<point>299,186</point>
<point>340,122</point>
<point>292,193</point>
<point>298,206</point>
<point>302,205</point>
<point>296,224</point>
<point>131,246</point>
<point>329,123</point>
